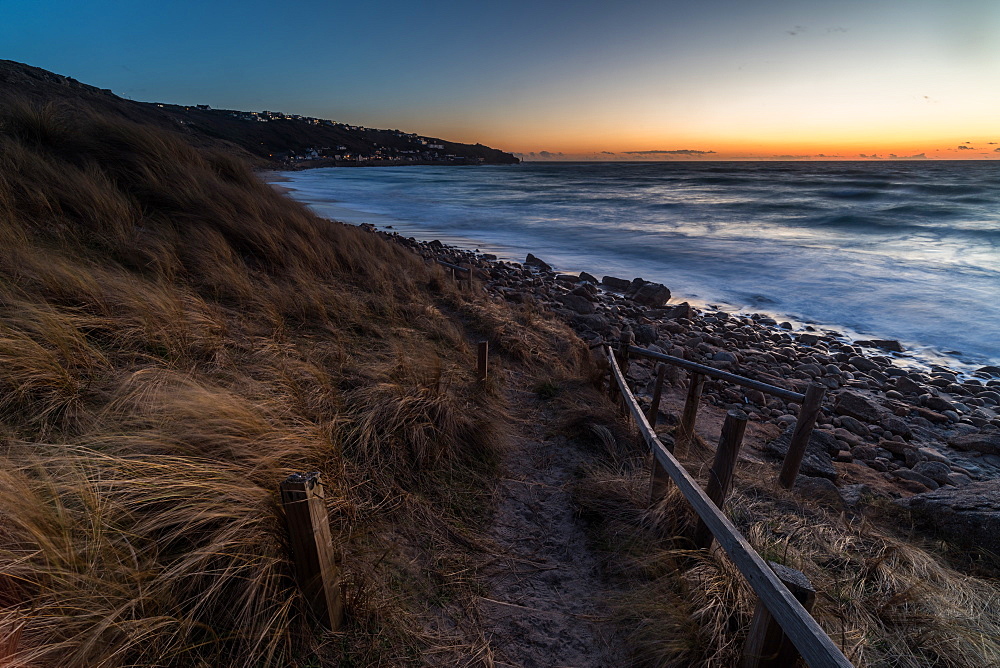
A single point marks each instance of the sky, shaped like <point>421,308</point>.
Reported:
<point>625,80</point>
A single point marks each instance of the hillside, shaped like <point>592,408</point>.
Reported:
<point>176,338</point>
<point>272,138</point>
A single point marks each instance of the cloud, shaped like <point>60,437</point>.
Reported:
<point>965,148</point>
<point>549,154</point>
<point>796,30</point>
<point>823,155</point>
<point>680,151</point>
<point>996,150</point>
<point>791,157</point>
<point>607,153</point>
<point>918,156</point>
<point>873,156</point>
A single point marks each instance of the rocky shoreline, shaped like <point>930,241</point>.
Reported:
<point>931,433</point>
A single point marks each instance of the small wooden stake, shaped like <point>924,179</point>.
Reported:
<point>482,366</point>
<point>685,433</point>
<point>804,424</point>
<point>720,477</point>
<point>767,646</point>
<point>312,548</point>
<point>468,274</point>
<point>659,479</point>
<point>654,407</point>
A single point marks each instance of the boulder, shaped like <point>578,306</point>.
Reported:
<point>590,278</point>
<point>855,426</point>
<point>633,287</point>
<point>594,321</point>
<point>619,284</point>
<point>865,453</point>
<point>809,339</point>
<point>725,356</point>
<point>894,446</point>
<point>888,344</point>
<point>819,490</point>
<point>581,291</point>
<point>654,295</point>
<point>969,515</point>
<point>858,407</point>
<point>939,404</point>
<point>862,363</point>
<point>682,310</point>
<point>578,304</point>
<point>907,385</point>
<point>897,426</point>
<point>987,443</point>
<point>909,474</point>
<point>538,263</point>
<point>932,455</point>
<point>936,471</point>
<point>816,462</point>
<point>929,415</point>
<point>855,495</point>
<point>645,334</point>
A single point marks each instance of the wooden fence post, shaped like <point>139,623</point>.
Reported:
<point>804,424</point>
<point>312,548</point>
<point>468,273</point>
<point>767,646</point>
<point>659,479</point>
<point>482,366</point>
<point>685,433</point>
<point>720,477</point>
<point>654,407</point>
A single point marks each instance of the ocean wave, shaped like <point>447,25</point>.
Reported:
<point>900,250</point>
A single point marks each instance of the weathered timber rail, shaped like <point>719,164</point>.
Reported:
<point>776,600</point>
<point>810,403</point>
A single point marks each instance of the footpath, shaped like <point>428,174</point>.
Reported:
<point>544,606</point>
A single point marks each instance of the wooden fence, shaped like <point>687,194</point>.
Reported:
<point>810,403</point>
<point>782,628</point>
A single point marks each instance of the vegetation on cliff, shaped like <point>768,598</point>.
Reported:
<point>175,339</point>
<point>266,138</point>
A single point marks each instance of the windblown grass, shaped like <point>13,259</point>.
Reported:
<point>175,338</point>
<point>885,597</point>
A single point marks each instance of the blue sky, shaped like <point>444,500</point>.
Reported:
<point>737,78</point>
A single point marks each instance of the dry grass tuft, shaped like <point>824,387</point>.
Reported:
<point>887,599</point>
<point>175,338</point>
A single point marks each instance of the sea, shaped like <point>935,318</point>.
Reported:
<point>882,249</point>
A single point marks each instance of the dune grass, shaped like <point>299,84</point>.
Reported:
<point>175,338</point>
<point>887,597</point>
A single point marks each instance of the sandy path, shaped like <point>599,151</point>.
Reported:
<point>544,605</point>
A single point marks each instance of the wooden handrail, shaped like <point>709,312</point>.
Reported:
<point>809,639</point>
<point>712,372</point>
<point>453,266</point>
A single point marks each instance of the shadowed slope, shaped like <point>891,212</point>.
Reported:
<point>175,338</point>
